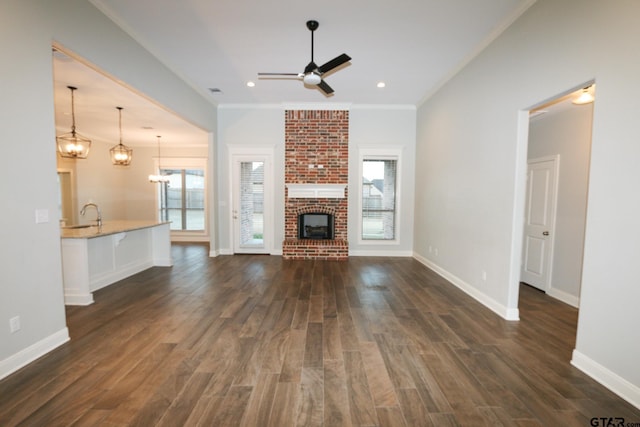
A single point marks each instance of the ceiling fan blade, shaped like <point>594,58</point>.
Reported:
<point>335,62</point>
<point>310,67</point>
<point>325,87</point>
<point>280,74</point>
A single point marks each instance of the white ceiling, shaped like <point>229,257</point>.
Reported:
<point>96,99</point>
<point>412,45</point>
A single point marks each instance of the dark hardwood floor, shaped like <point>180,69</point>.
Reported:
<point>253,340</point>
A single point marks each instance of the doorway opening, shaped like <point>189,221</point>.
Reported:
<point>251,191</point>
<point>558,149</point>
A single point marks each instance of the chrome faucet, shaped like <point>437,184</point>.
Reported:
<point>99,218</point>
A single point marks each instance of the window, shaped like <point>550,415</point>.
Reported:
<point>182,199</point>
<point>378,201</point>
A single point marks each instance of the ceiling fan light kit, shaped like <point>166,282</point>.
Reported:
<point>312,75</point>
<point>311,79</point>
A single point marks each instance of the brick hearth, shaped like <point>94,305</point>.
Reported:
<point>318,138</point>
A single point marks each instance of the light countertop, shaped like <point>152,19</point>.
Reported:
<point>108,227</point>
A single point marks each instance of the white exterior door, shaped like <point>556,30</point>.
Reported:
<point>539,222</point>
<point>251,203</point>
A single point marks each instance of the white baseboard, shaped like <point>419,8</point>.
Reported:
<point>226,251</point>
<point>214,253</point>
<point>385,253</point>
<point>107,278</point>
<point>607,378</point>
<point>189,238</point>
<point>33,352</point>
<point>504,312</point>
<point>565,297</point>
<point>78,299</point>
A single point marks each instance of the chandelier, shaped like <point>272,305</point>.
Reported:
<point>159,178</point>
<point>121,154</point>
<point>73,145</point>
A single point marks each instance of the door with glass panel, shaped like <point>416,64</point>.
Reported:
<point>251,205</point>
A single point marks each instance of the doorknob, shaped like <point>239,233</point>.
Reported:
<point>545,233</point>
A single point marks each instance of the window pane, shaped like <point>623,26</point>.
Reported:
<point>378,199</point>
<point>182,199</point>
<point>194,199</point>
<point>252,203</point>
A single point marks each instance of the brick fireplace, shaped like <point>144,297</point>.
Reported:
<point>316,175</point>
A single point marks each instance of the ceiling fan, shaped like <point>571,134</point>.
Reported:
<point>312,74</point>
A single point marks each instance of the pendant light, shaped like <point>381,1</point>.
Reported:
<point>159,178</point>
<point>73,145</point>
<point>121,154</point>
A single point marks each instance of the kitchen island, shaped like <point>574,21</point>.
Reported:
<point>94,257</point>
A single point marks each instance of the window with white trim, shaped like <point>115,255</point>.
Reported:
<point>379,187</point>
<point>182,200</point>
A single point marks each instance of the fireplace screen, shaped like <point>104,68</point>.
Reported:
<point>315,226</point>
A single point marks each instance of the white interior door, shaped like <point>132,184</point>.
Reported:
<point>539,222</point>
<point>251,203</point>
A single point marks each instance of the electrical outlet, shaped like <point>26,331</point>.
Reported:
<point>14,324</point>
<point>484,276</point>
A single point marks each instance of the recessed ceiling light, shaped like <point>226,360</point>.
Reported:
<point>381,84</point>
<point>215,90</point>
<point>251,84</point>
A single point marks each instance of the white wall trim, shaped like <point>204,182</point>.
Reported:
<point>189,238</point>
<point>78,299</point>
<point>242,152</point>
<point>504,312</point>
<point>315,191</point>
<point>607,378</point>
<point>563,296</point>
<point>368,152</point>
<point>385,252</point>
<point>214,253</point>
<point>105,279</point>
<point>33,352</point>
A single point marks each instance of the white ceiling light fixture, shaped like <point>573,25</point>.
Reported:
<point>121,155</point>
<point>311,79</point>
<point>72,145</point>
<point>250,84</point>
<point>381,84</point>
<point>585,97</point>
<point>159,178</point>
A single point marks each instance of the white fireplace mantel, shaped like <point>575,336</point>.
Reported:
<point>316,191</point>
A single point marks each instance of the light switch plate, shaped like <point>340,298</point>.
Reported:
<point>42,216</point>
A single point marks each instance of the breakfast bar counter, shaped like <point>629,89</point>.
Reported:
<point>94,257</point>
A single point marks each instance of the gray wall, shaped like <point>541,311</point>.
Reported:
<point>30,253</point>
<point>567,134</point>
<point>470,186</point>
<point>369,126</point>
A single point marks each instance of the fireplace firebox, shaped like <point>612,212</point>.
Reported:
<point>315,225</point>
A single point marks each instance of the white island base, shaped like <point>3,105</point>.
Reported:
<point>93,258</point>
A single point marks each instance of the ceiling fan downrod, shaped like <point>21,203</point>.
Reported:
<point>312,26</point>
